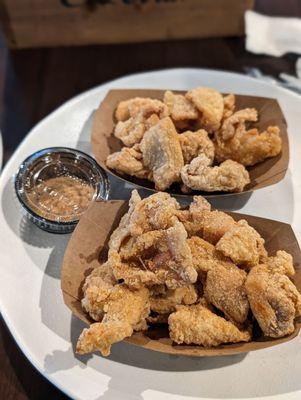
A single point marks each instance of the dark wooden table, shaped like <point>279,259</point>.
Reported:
<point>34,82</point>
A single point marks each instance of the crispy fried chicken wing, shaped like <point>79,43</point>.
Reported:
<point>125,311</point>
<point>162,153</point>
<point>249,147</point>
<point>274,301</point>
<point>243,245</point>
<point>196,143</point>
<point>128,161</point>
<point>196,324</point>
<point>209,102</point>
<point>229,176</point>
<point>224,288</point>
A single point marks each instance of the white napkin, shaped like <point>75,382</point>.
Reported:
<point>272,35</point>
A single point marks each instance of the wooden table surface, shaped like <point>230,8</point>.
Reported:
<point>34,82</point>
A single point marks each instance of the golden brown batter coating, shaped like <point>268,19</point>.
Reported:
<point>243,245</point>
<point>196,324</point>
<point>209,102</point>
<point>225,289</point>
<point>129,161</point>
<point>229,176</point>
<point>196,143</point>
<point>249,147</point>
<point>230,124</point>
<point>215,224</point>
<point>125,311</point>
<point>97,288</point>
<point>162,153</point>
<point>274,301</point>
<point>180,108</point>
<point>166,303</point>
<point>154,212</point>
<point>131,108</point>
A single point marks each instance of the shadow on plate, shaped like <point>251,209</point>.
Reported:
<point>132,371</point>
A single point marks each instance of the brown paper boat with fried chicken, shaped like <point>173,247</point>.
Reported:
<point>87,250</point>
<point>266,173</point>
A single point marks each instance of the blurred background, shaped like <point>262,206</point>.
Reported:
<point>48,50</point>
<point>52,50</point>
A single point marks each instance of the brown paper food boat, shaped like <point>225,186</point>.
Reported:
<point>87,249</point>
<point>266,173</point>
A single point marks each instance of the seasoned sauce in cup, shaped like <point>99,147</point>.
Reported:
<point>55,187</point>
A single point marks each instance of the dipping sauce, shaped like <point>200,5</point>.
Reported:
<point>61,198</point>
<point>55,187</point>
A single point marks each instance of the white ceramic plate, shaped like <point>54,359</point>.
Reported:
<point>1,151</point>
<point>31,301</point>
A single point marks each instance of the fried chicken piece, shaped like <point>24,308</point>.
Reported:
<point>125,311</point>
<point>282,263</point>
<point>123,230</point>
<point>230,124</point>
<point>196,143</point>
<point>135,273</point>
<point>215,224</point>
<point>196,324</point>
<point>128,161</point>
<point>131,131</point>
<point>224,288</point>
<point>181,110</point>
<point>209,102</point>
<point>198,206</point>
<point>97,288</point>
<point>162,259</point>
<point>154,212</point>
<point>229,105</point>
<point>229,176</point>
<point>249,147</point>
<point>166,303</point>
<point>142,246</point>
<point>162,153</point>
<point>132,107</point>
<point>243,245</point>
<point>193,218</point>
<point>274,301</point>
<point>205,257</point>
<point>179,250</point>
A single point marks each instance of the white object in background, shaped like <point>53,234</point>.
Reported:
<point>274,36</point>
